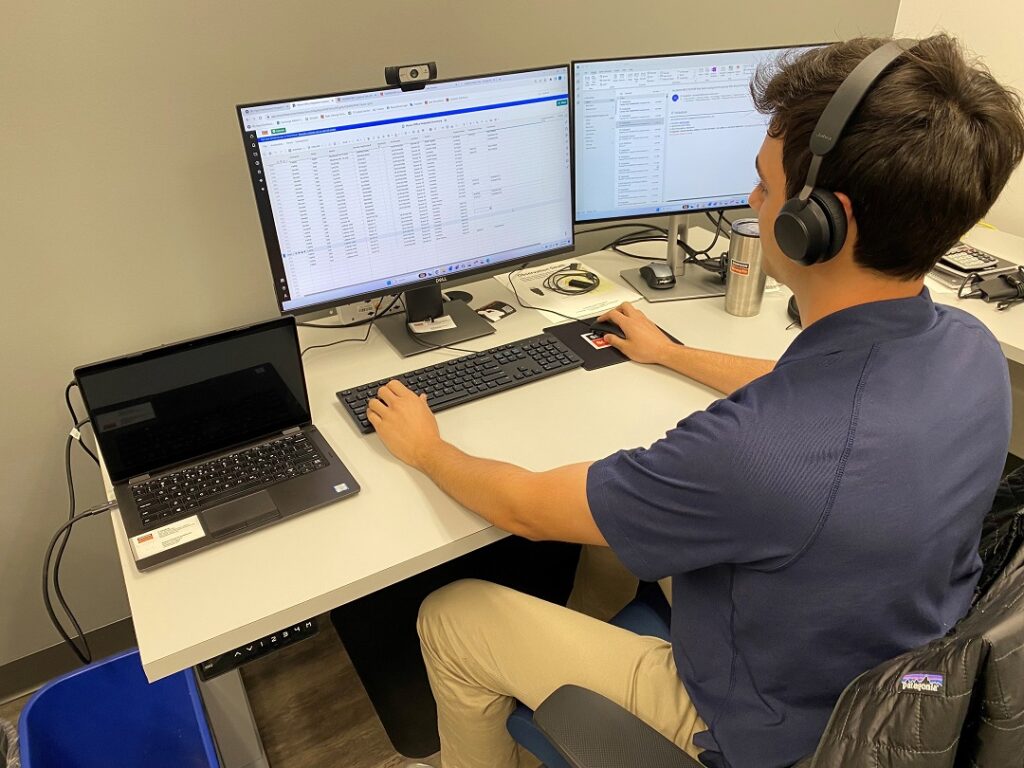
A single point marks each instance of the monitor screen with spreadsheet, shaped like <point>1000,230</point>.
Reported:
<point>666,134</point>
<point>373,193</point>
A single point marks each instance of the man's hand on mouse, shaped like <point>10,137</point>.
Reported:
<point>404,423</point>
<point>645,342</point>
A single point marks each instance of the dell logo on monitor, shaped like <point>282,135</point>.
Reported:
<point>441,279</point>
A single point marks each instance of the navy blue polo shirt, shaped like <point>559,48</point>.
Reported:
<point>820,520</point>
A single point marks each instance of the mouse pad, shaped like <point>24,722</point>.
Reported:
<point>590,346</point>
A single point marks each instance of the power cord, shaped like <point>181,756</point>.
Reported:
<point>519,300</point>
<point>74,420</point>
<point>62,536</point>
<point>84,654</point>
<point>1015,282</point>
<point>368,323</point>
<point>434,345</point>
<point>357,323</point>
<point>572,280</point>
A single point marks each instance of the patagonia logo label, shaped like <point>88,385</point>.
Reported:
<point>923,682</point>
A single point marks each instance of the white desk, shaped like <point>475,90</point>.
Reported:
<point>400,524</point>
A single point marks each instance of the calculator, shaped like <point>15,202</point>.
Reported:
<point>966,258</point>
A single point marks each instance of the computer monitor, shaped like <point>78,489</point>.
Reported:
<point>370,193</point>
<point>662,135</point>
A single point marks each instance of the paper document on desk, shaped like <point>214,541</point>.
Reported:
<point>529,285</point>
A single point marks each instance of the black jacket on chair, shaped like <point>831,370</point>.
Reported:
<point>975,716</point>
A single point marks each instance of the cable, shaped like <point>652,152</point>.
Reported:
<point>368,322</point>
<point>85,656</point>
<point>721,218</point>
<point>358,323</point>
<point>58,590</point>
<point>694,254</point>
<point>74,419</point>
<point>67,399</point>
<point>619,226</point>
<point>512,283</point>
<point>432,345</point>
<point>1015,282</point>
<point>572,280</point>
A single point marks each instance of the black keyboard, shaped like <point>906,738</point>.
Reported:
<point>226,477</point>
<point>471,377</point>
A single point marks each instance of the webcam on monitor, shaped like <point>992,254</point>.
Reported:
<point>411,77</point>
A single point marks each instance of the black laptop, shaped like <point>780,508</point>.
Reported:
<point>209,439</point>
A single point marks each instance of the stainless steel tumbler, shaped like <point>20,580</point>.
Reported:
<point>745,284</point>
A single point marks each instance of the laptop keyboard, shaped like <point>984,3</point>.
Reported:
<point>225,478</point>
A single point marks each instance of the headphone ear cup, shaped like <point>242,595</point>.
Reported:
<point>836,216</point>
<point>802,230</point>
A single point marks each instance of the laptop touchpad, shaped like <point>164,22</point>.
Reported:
<point>233,516</point>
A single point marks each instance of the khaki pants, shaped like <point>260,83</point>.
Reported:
<point>485,646</point>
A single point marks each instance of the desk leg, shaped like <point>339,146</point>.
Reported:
<point>234,728</point>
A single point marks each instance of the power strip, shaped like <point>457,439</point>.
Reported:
<point>363,310</point>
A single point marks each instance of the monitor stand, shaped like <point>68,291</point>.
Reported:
<point>424,304</point>
<point>691,283</point>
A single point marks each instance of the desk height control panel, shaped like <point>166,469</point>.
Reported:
<point>226,662</point>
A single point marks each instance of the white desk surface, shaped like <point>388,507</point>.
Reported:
<point>400,524</point>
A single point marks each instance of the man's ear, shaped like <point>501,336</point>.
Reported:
<point>847,206</point>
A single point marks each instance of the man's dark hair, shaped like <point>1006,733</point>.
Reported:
<point>924,156</point>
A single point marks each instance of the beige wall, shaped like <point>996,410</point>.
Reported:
<point>127,215</point>
<point>991,29</point>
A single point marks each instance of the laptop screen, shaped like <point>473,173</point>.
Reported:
<point>185,401</point>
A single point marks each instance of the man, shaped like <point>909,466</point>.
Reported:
<point>822,518</point>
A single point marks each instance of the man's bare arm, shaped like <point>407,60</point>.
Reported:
<point>536,505</point>
<point>646,343</point>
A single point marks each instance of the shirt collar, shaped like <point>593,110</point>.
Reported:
<point>864,325</point>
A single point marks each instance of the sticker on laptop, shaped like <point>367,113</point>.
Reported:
<point>596,340</point>
<point>167,537</point>
<point>932,683</point>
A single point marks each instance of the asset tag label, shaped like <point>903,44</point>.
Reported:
<point>167,537</point>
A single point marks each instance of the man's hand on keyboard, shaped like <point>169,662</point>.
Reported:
<point>404,423</point>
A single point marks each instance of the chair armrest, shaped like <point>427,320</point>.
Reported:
<point>591,731</point>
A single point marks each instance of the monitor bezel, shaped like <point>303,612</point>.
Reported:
<point>603,60</point>
<point>266,214</point>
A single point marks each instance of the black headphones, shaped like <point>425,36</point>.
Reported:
<point>811,227</point>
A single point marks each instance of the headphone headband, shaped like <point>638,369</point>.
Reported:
<point>845,100</point>
<point>811,227</point>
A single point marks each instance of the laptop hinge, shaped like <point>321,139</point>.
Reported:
<point>292,431</point>
<point>138,479</point>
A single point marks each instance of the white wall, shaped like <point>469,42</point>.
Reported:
<point>994,30</point>
<point>126,211</point>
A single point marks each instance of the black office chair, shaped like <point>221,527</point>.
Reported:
<point>978,721</point>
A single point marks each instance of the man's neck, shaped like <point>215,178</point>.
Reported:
<point>823,294</point>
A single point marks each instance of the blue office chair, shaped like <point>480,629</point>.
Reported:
<point>648,614</point>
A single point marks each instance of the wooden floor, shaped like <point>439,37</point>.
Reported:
<point>310,707</point>
<point>312,710</point>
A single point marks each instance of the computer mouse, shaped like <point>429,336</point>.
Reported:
<point>658,275</point>
<point>606,327</point>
